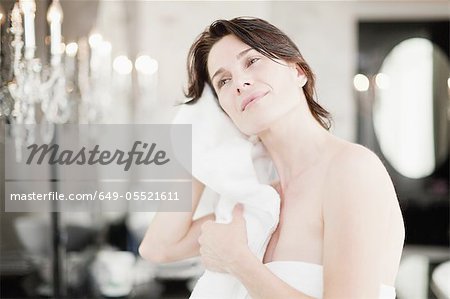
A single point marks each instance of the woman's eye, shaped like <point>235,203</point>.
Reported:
<point>252,61</point>
<point>222,82</point>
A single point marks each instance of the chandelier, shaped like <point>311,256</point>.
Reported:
<point>76,86</point>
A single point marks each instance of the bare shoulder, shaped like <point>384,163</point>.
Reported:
<point>358,173</point>
<point>354,160</point>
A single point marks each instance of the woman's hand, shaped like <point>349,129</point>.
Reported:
<point>222,246</point>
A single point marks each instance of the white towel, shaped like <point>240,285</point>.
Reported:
<point>238,168</point>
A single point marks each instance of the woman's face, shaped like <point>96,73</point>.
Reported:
<point>253,89</point>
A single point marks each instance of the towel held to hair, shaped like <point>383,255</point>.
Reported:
<point>239,169</point>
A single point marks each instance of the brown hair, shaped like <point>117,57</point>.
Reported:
<point>264,38</point>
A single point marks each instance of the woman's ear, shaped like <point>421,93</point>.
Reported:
<point>299,74</point>
<point>302,79</point>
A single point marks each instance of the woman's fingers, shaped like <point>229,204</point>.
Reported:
<point>221,244</point>
<point>206,224</point>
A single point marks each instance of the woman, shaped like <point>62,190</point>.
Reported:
<point>339,216</point>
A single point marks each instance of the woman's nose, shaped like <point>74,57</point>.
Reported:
<point>242,86</point>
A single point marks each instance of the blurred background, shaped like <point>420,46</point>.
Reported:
<point>382,70</point>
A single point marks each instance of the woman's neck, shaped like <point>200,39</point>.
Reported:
<point>296,142</point>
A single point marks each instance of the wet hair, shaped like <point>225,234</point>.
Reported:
<point>264,38</point>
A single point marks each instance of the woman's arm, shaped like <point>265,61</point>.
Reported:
<point>356,216</point>
<point>173,236</point>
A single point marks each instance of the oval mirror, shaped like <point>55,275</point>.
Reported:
<point>411,107</point>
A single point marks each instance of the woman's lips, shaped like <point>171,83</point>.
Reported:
<point>252,98</point>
